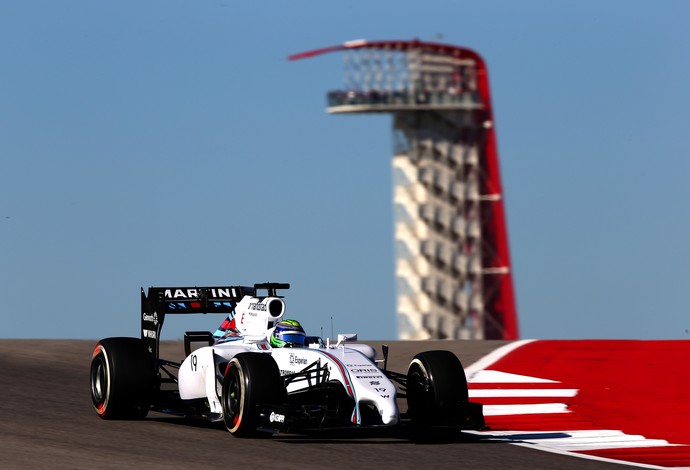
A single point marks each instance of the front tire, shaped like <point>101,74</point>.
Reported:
<point>122,378</point>
<point>251,379</point>
<point>436,389</point>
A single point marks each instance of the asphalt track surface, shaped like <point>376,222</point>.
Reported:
<point>47,421</point>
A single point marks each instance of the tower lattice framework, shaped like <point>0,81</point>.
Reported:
<point>453,271</point>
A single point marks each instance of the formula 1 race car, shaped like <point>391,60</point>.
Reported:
<point>257,389</point>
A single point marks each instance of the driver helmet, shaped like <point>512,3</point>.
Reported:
<point>288,334</point>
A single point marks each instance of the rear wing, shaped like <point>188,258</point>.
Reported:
<point>161,301</point>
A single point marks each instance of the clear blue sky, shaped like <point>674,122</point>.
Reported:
<point>170,142</point>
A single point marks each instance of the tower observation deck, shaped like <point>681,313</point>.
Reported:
<point>453,268</point>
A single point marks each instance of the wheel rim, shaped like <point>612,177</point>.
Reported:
<point>98,381</point>
<point>418,389</point>
<point>99,384</point>
<point>232,398</point>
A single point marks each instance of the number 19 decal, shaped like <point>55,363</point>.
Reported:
<point>193,362</point>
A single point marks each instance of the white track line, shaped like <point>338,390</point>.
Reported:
<point>560,451</point>
<point>495,376</point>
<point>571,441</point>
<point>494,356</point>
<point>533,393</point>
<point>532,409</point>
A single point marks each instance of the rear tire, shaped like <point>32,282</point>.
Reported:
<point>251,379</point>
<point>436,388</point>
<point>122,378</point>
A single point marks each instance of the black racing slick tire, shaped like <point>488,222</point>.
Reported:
<point>436,388</point>
<point>250,380</point>
<point>122,378</point>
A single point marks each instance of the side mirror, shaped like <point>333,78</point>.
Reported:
<point>346,338</point>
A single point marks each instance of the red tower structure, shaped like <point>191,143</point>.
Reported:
<point>453,269</point>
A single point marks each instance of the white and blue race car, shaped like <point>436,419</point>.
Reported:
<point>237,377</point>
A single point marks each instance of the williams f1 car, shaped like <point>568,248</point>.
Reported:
<point>256,389</point>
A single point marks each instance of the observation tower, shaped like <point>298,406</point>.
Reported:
<point>453,269</point>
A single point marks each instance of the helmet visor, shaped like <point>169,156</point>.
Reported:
<point>293,339</point>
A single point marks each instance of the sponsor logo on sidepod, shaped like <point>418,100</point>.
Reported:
<point>294,359</point>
